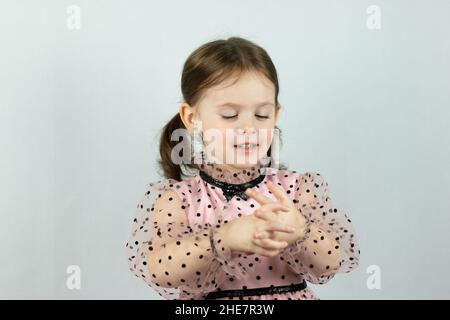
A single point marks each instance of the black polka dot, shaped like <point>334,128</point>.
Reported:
<point>202,199</point>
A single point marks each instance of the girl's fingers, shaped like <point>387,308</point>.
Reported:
<point>262,235</point>
<point>268,216</point>
<point>259,197</point>
<point>266,212</point>
<point>270,244</point>
<point>278,192</point>
<point>278,226</point>
<point>275,206</point>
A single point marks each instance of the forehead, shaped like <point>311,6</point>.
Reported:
<point>248,90</point>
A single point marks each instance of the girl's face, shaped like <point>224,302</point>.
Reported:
<point>230,115</point>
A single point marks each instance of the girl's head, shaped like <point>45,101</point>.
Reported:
<point>230,90</point>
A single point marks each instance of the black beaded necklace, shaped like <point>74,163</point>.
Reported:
<point>229,189</point>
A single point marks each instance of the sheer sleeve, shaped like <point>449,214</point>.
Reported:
<point>161,218</point>
<point>330,244</point>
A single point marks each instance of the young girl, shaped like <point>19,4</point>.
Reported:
<point>216,229</point>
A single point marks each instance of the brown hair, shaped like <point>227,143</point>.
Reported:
<point>208,65</point>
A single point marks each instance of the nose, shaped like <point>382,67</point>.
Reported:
<point>247,127</point>
<point>246,131</point>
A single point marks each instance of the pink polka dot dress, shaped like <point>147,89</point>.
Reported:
<point>181,217</point>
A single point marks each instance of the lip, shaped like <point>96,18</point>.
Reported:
<point>247,150</point>
<point>240,144</point>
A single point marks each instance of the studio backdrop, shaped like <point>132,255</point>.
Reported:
<point>86,86</point>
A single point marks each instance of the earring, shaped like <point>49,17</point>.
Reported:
<point>274,157</point>
<point>197,146</point>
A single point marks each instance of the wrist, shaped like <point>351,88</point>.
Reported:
<point>219,244</point>
<point>304,228</point>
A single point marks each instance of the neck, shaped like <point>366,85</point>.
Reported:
<point>231,174</point>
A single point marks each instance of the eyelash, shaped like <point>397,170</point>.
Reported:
<point>261,117</point>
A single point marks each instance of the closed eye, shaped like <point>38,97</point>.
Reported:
<point>235,116</point>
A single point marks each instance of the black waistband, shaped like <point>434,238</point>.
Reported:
<point>256,291</point>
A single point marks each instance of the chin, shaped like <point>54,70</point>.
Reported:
<point>247,165</point>
<point>243,162</point>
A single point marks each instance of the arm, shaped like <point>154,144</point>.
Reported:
<point>170,255</point>
<point>177,259</point>
<point>330,244</point>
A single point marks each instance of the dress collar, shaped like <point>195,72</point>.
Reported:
<point>229,189</point>
<point>232,182</point>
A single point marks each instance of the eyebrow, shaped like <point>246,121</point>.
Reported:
<point>231,104</point>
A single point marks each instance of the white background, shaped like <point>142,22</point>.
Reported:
<point>80,111</point>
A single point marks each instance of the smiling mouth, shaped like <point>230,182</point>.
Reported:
<point>246,145</point>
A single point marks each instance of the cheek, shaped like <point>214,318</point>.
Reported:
<point>225,135</point>
<point>266,136</point>
<point>215,131</point>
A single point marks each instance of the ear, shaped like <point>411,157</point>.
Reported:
<point>187,115</point>
<point>277,112</point>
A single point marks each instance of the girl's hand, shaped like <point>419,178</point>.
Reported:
<point>237,234</point>
<point>289,217</point>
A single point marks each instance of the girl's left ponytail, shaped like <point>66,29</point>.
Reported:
<point>170,170</point>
